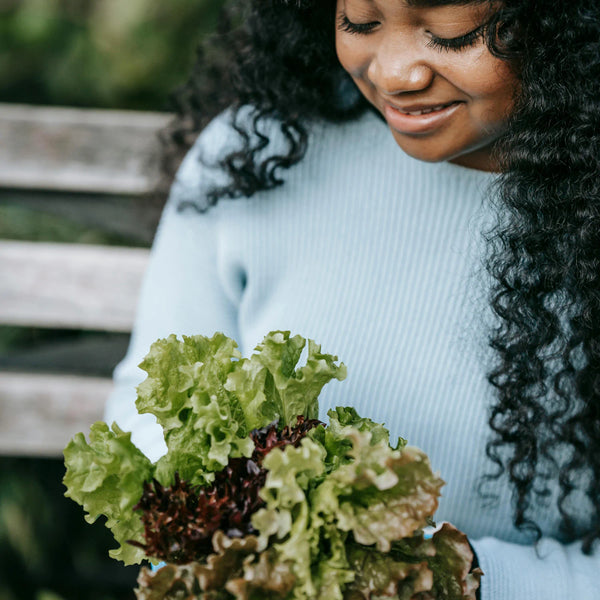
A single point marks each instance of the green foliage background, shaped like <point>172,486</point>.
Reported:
<point>122,54</point>
<point>101,53</point>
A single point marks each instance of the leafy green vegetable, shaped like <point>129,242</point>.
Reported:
<point>173,582</point>
<point>380,496</point>
<point>203,423</point>
<point>380,574</point>
<point>235,570</point>
<point>451,565</point>
<point>437,568</point>
<point>342,417</point>
<point>335,441</point>
<point>208,400</point>
<point>180,520</point>
<point>377,493</point>
<point>339,512</point>
<point>286,516</point>
<point>270,387</point>
<point>106,477</point>
<point>289,473</point>
<point>295,392</point>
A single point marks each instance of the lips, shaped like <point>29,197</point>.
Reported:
<point>417,110</point>
<point>420,119</point>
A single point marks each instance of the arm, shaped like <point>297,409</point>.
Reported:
<point>515,572</point>
<point>181,292</point>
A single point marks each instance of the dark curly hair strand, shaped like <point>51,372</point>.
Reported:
<point>249,65</point>
<point>546,262</point>
<point>278,56</point>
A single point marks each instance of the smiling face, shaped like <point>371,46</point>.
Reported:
<point>429,72</point>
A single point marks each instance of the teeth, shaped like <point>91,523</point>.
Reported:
<point>416,113</point>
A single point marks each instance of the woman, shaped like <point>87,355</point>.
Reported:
<point>373,142</point>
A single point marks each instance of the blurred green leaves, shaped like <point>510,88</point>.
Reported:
<point>47,551</point>
<point>101,53</point>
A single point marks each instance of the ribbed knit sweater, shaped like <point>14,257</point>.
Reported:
<point>379,258</point>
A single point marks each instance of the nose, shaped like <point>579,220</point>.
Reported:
<point>394,70</point>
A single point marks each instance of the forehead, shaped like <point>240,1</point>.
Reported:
<point>434,3</point>
<point>425,4</point>
<point>420,7</point>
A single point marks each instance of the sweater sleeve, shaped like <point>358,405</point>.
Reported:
<point>554,572</point>
<point>181,292</point>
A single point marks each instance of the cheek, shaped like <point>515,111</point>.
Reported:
<point>352,55</point>
<point>343,53</point>
<point>492,86</point>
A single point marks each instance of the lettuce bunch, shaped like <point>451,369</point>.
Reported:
<point>256,498</point>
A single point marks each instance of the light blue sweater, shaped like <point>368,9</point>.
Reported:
<point>378,257</point>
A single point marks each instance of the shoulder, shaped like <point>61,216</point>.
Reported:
<point>199,169</point>
<point>360,155</point>
<point>345,153</point>
<point>222,137</point>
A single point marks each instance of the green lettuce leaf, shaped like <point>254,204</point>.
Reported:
<point>237,570</point>
<point>262,579</point>
<point>380,496</point>
<point>208,399</point>
<point>342,417</point>
<point>419,568</point>
<point>415,567</point>
<point>285,521</point>
<point>451,565</point>
<point>335,440</point>
<point>269,386</point>
<point>291,392</point>
<point>248,382</point>
<point>203,423</point>
<point>379,574</point>
<point>178,368</point>
<point>106,477</point>
<point>331,570</point>
<point>343,512</point>
<point>176,582</point>
<point>171,582</point>
<point>315,551</point>
<point>377,495</point>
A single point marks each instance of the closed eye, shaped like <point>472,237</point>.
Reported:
<point>344,24</point>
<point>458,43</point>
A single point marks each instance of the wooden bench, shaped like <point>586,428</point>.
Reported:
<point>96,167</point>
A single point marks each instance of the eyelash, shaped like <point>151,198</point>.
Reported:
<point>344,24</point>
<point>457,44</point>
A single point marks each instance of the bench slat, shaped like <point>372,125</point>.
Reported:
<point>40,413</point>
<point>70,286</point>
<point>79,150</point>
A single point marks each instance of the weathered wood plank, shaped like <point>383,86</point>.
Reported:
<point>69,286</point>
<point>40,413</point>
<point>79,149</point>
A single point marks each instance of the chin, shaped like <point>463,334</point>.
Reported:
<point>430,157</point>
<point>427,151</point>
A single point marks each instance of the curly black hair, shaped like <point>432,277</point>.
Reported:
<point>278,56</point>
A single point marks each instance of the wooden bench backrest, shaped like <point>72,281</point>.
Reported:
<point>101,156</point>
